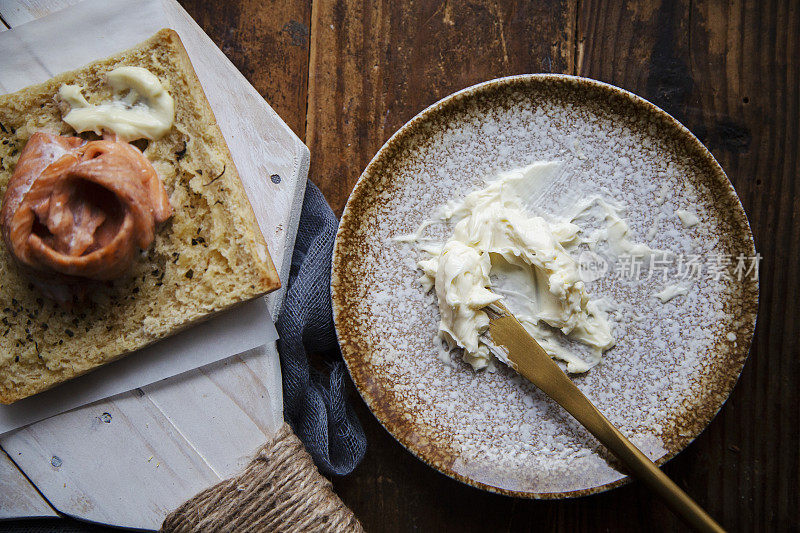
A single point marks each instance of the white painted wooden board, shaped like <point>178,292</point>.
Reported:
<point>129,460</point>
<point>18,494</point>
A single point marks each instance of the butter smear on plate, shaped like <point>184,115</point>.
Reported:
<point>501,250</point>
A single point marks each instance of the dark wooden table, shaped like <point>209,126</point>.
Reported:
<point>345,74</point>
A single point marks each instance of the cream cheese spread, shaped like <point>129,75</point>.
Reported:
<point>614,232</point>
<point>688,218</point>
<point>146,111</point>
<point>671,291</point>
<point>500,250</point>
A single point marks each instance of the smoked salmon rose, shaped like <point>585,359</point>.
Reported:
<point>77,209</point>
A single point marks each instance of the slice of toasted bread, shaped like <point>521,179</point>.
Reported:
<point>208,257</point>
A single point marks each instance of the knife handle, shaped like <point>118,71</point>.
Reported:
<point>639,464</point>
<point>509,340</point>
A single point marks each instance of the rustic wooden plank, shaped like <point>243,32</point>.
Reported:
<point>78,458</point>
<point>19,498</point>
<point>639,46</point>
<point>268,41</point>
<point>729,72</point>
<point>374,65</point>
<point>236,403</point>
<point>744,107</point>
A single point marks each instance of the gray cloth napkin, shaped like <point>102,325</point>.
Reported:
<point>315,402</point>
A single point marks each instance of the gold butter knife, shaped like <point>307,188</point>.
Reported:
<point>507,338</point>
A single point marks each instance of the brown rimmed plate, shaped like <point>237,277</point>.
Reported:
<point>674,363</point>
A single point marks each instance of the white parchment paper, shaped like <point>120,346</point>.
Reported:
<point>36,51</point>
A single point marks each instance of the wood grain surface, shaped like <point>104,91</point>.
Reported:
<point>727,70</point>
<point>19,497</point>
<point>345,74</point>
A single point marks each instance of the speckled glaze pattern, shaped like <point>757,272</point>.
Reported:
<point>674,364</point>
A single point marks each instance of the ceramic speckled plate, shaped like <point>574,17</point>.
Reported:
<point>674,363</point>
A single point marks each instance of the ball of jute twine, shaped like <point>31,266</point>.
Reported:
<point>280,490</point>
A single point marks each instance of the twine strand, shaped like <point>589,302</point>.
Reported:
<point>280,490</point>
